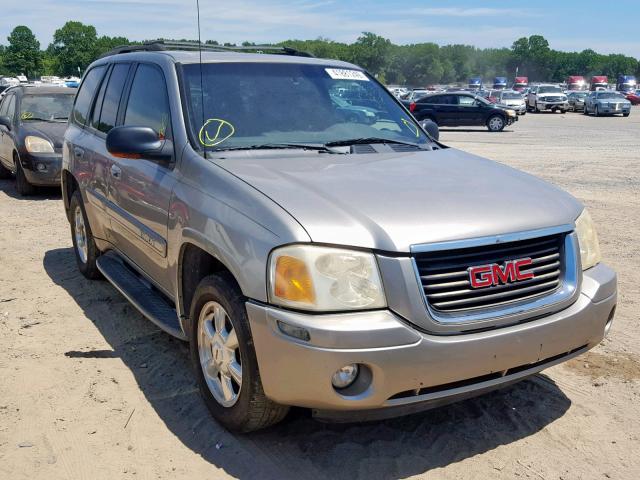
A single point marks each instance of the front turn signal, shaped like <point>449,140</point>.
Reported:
<point>293,281</point>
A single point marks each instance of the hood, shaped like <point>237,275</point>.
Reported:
<point>52,131</point>
<point>392,201</point>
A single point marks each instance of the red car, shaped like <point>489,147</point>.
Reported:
<point>634,97</point>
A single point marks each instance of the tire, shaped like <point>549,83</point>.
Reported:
<point>217,312</point>
<point>496,123</point>
<point>585,111</point>
<point>536,109</point>
<point>4,172</point>
<point>596,112</point>
<point>23,186</point>
<point>88,253</point>
<point>626,114</point>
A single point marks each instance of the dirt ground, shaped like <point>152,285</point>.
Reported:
<point>89,389</point>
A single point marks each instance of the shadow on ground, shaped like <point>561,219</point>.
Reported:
<point>8,186</point>
<point>300,447</point>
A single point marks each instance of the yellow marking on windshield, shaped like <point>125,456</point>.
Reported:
<point>218,137</point>
<point>411,126</point>
<point>26,115</point>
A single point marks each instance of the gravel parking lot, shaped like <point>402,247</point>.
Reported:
<point>90,389</point>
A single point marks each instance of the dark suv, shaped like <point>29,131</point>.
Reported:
<point>315,246</point>
<point>459,109</point>
<point>32,125</point>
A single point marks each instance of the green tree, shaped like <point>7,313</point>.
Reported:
<point>22,56</point>
<point>104,44</point>
<point>371,52</point>
<point>74,47</point>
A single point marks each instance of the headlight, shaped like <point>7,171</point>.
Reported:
<point>588,240</point>
<point>317,278</point>
<point>511,113</point>
<point>38,145</point>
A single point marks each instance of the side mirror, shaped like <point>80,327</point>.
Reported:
<point>138,142</point>
<point>5,122</point>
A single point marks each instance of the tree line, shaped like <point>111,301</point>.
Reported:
<point>75,45</point>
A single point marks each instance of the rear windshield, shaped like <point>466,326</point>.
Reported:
<point>46,107</point>
<point>511,96</point>
<point>252,104</point>
<point>549,90</point>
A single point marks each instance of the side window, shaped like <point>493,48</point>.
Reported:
<point>4,105</point>
<point>148,104</point>
<point>112,96</point>
<point>429,100</point>
<point>11,107</point>
<point>97,106</point>
<point>86,94</point>
<point>447,100</point>
<point>466,101</point>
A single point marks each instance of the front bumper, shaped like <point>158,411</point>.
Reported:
<point>42,170</point>
<point>408,370</point>
<point>605,109</point>
<point>552,105</point>
<point>520,108</point>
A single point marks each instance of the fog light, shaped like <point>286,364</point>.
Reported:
<point>345,376</point>
<point>41,167</point>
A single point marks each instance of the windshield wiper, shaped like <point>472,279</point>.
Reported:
<point>37,119</point>
<point>278,146</point>
<point>367,140</point>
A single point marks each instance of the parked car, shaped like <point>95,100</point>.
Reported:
<point>32,125</point>
<point>547,97</point>
<point>462,109</point>
<point>512,99</point>
<point>633,97</point>
<point>607,103</point>
<point>360,270</point>
<point>576,100</point>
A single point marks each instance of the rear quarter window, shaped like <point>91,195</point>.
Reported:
<point>86,94</point>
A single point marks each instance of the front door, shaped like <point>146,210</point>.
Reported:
<point>469,110</point>
<point>140,189</point>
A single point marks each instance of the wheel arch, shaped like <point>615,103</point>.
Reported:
<point>195,262</point>
<point>69,185</point>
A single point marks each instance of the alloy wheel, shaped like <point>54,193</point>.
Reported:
<point>219,352</point>
<point>80,232</point>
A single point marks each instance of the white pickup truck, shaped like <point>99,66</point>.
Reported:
<point>547,97</point>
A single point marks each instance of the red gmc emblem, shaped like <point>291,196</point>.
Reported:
<point>494,274</point>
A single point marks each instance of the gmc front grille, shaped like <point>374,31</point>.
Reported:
<point>444,275</point>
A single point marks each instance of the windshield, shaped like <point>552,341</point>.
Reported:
<point>46,107</point>
<point>511,96</point>
<point>579,95</point>
<point>253,104</point>
<point>610,95</point>
<point>549,90</point>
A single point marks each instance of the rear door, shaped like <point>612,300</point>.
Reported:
<point>102,120</point>
<point>79,146</point>
<point>140,189</point>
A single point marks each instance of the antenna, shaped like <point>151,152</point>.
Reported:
<point>201,82</point>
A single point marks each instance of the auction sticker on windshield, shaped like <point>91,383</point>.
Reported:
<point>345,74</point>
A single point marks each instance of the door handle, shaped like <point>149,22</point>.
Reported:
<point>116,171</point>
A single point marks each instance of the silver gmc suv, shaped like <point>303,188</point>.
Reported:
<point>289,218</point>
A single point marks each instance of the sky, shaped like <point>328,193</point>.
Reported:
<point>568,24</point>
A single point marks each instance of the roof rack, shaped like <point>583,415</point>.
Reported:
<point>164,45</point>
